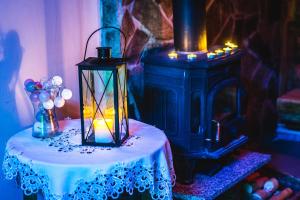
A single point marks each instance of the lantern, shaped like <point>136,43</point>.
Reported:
<point>103,99</point>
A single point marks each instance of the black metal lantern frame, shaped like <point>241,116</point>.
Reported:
<point>103,98</point>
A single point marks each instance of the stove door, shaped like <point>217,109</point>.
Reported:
<point>224,113</point>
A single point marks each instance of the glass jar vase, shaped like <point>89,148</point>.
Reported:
<point>45,122</point>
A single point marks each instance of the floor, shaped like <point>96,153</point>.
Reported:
<point>285,160</point>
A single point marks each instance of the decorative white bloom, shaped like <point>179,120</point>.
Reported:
<point>57,81</point>
<point>59,102</point>
<point>66,94</point>
<point>48,104</point>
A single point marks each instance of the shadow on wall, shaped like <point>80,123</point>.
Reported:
<point>10,61</point>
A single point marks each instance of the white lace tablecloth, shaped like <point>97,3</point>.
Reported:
<point>63,169</point>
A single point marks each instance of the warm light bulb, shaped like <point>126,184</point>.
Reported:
<point>173,55</point>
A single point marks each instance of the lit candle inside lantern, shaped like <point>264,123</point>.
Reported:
<point>227,50</point>
<point>103,129</point>
<point>191,56</point>
<point>211,55</point>
<point>219,52</point>
<point>231,45</point>
<point>173,55</point>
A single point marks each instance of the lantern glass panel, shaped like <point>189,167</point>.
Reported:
<point>98,106</point>
<point>122,99</point>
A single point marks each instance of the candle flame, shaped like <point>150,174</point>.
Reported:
<point>231,45</point>
<point>227,49</point>
<point>101,123</point>
<point>191,56</point>
<point>210,55</point>
<point>219,51</point>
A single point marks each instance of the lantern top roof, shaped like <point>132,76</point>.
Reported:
<point>97,62</point>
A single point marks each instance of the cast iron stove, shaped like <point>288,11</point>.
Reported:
<point>196,100</point>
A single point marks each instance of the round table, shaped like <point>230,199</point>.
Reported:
<point>64,169</point>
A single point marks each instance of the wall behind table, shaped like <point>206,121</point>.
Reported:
<point>39,38</point>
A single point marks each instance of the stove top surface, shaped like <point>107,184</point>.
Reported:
<point>170,58</point>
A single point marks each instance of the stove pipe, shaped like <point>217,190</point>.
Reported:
<point>189,25</point>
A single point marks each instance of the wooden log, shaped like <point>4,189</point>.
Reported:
<point>271,185</point>
<point>256,184</point>
<point>287,192</point>
<point>259,183</point>
<point>261,195</point>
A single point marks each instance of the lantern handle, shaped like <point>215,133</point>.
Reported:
<point>106,27</point>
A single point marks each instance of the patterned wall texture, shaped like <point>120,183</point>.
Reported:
<point>257,26</point>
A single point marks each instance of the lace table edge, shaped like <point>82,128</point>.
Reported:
<point>157,179</point>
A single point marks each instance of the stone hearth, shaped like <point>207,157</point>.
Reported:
<point>210,187</point>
